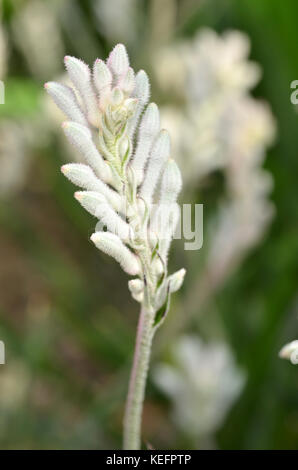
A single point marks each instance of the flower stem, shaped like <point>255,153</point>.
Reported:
<point>138,378</point>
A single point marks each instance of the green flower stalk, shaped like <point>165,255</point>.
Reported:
<point>130,184</point>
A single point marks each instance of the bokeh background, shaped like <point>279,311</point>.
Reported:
<point>66,317</point>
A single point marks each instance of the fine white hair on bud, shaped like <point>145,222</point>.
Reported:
<point>80,76</point>
<point>169,226</point>
<point>142,93</point>
<point>158,156</point>
<point>136,286</point>
<point>66,100</point>
<point>171,183</point>
<point>139,297</point>
<point>150,123</point>
<point>117,96</point>
<point>126,159</point>
<point>176,280</point>
<point>290,352</point>
<point>149,128</point>
<point>80,136</point>
<point>118,61</point>
<point>142,87</point>
<point>98,206</point>
<point>113,246</point>
<point>82,175</point>
<point>102,77</point>
<point>127,82</point>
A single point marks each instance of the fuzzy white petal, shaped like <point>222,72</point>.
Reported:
<point>98,206</point>
<point>290,351</point>
<point>136,286</point>
<point>118,61</point>
<point>80,76</point>
<point>102,75</point>
<point>80,136</point>
<point>66,100</point>
<point>158,156</point>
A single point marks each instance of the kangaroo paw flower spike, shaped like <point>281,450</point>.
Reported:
<point>130,184</point>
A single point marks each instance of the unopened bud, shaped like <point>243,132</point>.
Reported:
<point>290,351</point>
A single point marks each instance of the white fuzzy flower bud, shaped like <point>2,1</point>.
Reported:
<point>142,87</point>
<point>102,75</point>
<point>123,147</point>
<point>150,123</point>
<point>118,61</point>
<point>130,106</point>
<point>117,96</point>
<point>127,82</point>
<point>171,183</point>
<point>66,100</point>
<point>142,93</point>
<point>113,246</point>
<point>149,128</point>
<point>80,76</point>
<point>83,176</point>
<point>158,267</point>
<point>162,220</point>
<point>290,351</point>
<point>102,78</point>
<point>98,206</point>
<point>138,297</point>
<point>158,156</point>
<point>136,286</point>
<point>80,136</point>
<point>176,280</point>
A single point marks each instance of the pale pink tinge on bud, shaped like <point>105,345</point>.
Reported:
<point>82,175</point>
<point>113,246</point>
<point>118,61</point>
<point>66,100</point>
<point>80,76</point>
<point>102,77</point>
<point>142,93</point>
